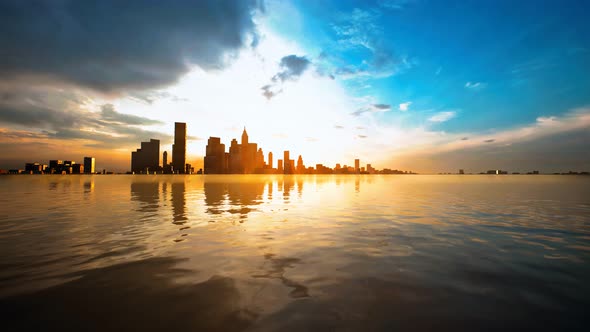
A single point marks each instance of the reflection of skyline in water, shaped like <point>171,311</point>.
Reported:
<point>302,252</point>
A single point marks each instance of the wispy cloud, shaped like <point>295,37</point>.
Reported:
<point>405,106</point>
<point>442,116</point>
<point>475,85</point>
<point>374,108</point>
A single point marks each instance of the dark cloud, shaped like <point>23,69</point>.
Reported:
<point>382,106</point>
<point>111,45</point>
<point>489,140</point>
<point>109,114</point>
<point>464,138</point>
<point>292,66</point>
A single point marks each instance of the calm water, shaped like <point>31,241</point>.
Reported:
<point>301,253</point>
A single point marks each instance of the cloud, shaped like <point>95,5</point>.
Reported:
<point>56,114</point>
<point>373,108</point>
<point>362,136</point>
<point>291,68</point>
<point>361,29</point>
<point>269,91</point>
<point>109,114</point>
<point>464,138</point>
<point>442,116</point>
<point>405,106</point>
<point>491,140</point>
<point>113,46</point>
<point>394,4</point>
<point>382,106</point>
<point>475,85</point>
<point>338,127</point>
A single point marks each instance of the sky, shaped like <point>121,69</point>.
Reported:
<point>427,86</point>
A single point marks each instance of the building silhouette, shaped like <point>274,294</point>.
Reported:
<point>147,158</point>
<point>357,168</point>
<point>89,165</point>
<point>269,165</point>
<point>215,157</point>
<point>179,148</point>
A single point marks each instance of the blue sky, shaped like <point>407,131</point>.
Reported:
<point>496,64</point>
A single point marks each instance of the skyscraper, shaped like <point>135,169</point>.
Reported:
<point>287,163</point>
<point>147,158</point>
<point>357,166</point>
<point>89,165</point>
<point>215,157</point>
<point>165,159</point>
<point>179,147</point>
<point>270,160</point>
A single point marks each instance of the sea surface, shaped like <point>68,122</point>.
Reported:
<point>294,253</point>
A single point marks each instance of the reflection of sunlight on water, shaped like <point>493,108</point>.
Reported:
<point>423,240</point>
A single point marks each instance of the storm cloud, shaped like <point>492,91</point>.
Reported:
<point>112,46</point>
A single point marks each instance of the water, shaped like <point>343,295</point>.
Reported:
<point>299,253</point>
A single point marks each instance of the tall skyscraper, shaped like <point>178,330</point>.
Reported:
<point>287,163</point>
<point>270,160</point>
<point>280,166</point>
<point>89,165</point>
<point>179,147</point>
<point>357,166</point>
<point>147,158</point>
<point>165,159</point>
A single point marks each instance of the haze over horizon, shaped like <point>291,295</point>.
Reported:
<point>427,86</point>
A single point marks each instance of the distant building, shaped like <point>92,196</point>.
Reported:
<point>77,169</point>
<point>147,158</point>
<point>179,147</point>
<point>461,171</point>
<point>215,161</point>
<point>287,163</point>
<point>357,164</point>
<point>35,168</point>
<point>280,165</point>
<point>270,160</point>
<point>300,166</point>
<point>89,165</point>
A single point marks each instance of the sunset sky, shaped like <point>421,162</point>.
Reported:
<point>428,86</point>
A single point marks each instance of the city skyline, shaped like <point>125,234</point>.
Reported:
<point>342,80</point>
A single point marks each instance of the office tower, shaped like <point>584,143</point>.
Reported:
<point>165,159</point>
<point>300,167</point>
<point>357,164</point>
<point>461,171</point>
<point>270,160</point>
<point>89,165</point>
<point>179,147</point>
<point>77,169</point>
<point>215,156</point>
<point>147,158</point>
<point>259,160</point>
<point>287,163</point>
<point>280,166</point>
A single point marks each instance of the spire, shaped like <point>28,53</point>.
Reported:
<point>244,137</point>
